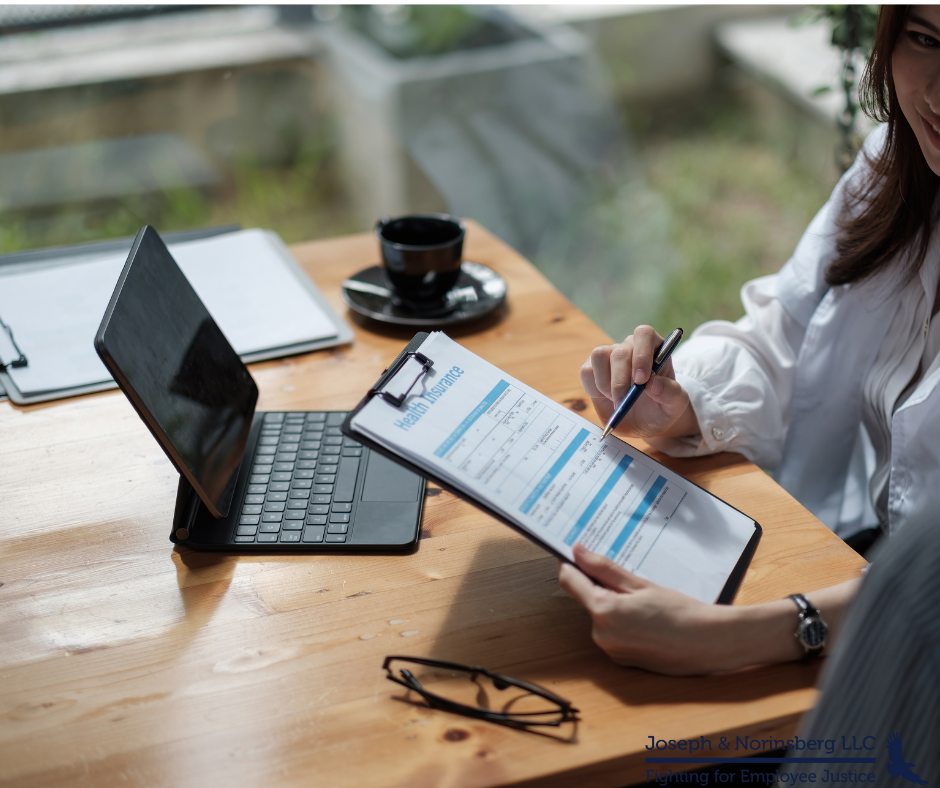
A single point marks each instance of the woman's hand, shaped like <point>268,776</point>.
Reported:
<point>664,407</point>
<point>643,625</point>
<point>640,624</point>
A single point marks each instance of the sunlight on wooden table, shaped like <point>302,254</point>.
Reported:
<point>126,661</point>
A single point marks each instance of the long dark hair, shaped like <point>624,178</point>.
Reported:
<point>892,211</point>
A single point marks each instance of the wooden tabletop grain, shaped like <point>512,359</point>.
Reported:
<point>126,661</point>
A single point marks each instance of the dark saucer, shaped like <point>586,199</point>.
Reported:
<point>478,292</point>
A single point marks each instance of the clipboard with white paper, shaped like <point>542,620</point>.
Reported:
<point>543,470</point>
<point>53,300</point>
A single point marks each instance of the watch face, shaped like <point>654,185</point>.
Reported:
<point>813,633</point>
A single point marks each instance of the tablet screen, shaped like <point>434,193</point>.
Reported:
<point>179,370</point>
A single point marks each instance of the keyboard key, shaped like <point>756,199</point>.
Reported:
<point>324,478</point>
<point>276,496</point>
<point>292,525</point>
<point>295,514</point>
<point>307,455</point>
<point>316,417</point>
<point>320,498</point>
<point>274,506</point>
<point>292,427</point>
<point>339,517</point>
<point>280,476</point>
<point>297,503</point>
<point>251,508</point>
<point>314,533</point>
<point>323,489</point>
<point>290,536</point>
<point>264,450</point>
<point>255,489</point>
<point>287,456</point>
<point>283,467</point>
<point>331,450</point>
<point>306,465</point>
<point>349,443</point>
<point>337,528</point>
<point>244,539</point>
<point>268,440</point>
<point>249,519</point>
<point>346,479</point>
<point>266,468</point>
<point>280,486</point>
<point>328,460</point>
<point>269,417</point>
<point>254,499</point>
<point>336,538</point>
<point>258,478</point>
<point>333,431</point>
<point>271,517</point>
<point>319,508</point>
<point>312,433</point>
<point>316,519</point>
<point>246,530</point>
<point>342,507</point>
<point>310,445</point>
<point>298,494</point>
<point>333,440</point>
<point>270,528</point>
<point>266,537</point>
<point>302,484</point>
<point>352,452</point>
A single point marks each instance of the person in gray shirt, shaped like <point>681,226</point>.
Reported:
<point>881,684</point>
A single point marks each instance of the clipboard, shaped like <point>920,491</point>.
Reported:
<point>70,368</point>
<point>412,351</point>
<point>34,259</point>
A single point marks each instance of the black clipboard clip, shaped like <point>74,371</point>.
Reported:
<point>399,399</point>
<point>17,362</point>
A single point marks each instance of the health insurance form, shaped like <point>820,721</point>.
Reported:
<point>547,470</point>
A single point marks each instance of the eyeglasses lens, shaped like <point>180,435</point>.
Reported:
<point>482,692</point>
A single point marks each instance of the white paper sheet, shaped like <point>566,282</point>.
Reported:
<point>55,310</point>
<point>547,470</point>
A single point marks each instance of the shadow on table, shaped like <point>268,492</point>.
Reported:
<point>513,618</point>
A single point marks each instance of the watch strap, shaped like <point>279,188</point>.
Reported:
<point>805,606</point>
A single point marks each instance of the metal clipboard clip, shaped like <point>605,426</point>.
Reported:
<point>17,362</point>
<point>398,399</point>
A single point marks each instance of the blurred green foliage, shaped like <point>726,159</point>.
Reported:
<point>428,30</point>
<point>738,203</point>
<point>853,26</point>
<point>300,201</point>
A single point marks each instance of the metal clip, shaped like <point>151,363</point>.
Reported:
<point>17,362</point>
<point>398,400</point>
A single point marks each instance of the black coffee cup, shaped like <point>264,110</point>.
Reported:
<point>422,255</point>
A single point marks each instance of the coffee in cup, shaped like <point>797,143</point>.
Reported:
<point>421,255</point>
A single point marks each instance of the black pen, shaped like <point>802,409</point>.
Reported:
<point>662,356</point>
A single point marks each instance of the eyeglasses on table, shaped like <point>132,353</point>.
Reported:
<point>476,692</point>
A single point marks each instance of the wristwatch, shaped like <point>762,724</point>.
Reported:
<point>812,629</point>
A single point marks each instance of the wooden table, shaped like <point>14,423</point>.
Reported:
<point>124,661</point>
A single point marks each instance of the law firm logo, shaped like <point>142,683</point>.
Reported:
<point>897,766</point>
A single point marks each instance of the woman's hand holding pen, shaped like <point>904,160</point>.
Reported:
<point>663,408</point>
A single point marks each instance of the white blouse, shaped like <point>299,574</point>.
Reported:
<point>740,378</point>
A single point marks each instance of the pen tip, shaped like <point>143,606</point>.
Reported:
<point>605,433</point>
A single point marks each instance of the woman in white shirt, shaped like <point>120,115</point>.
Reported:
<point>830,379</point>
